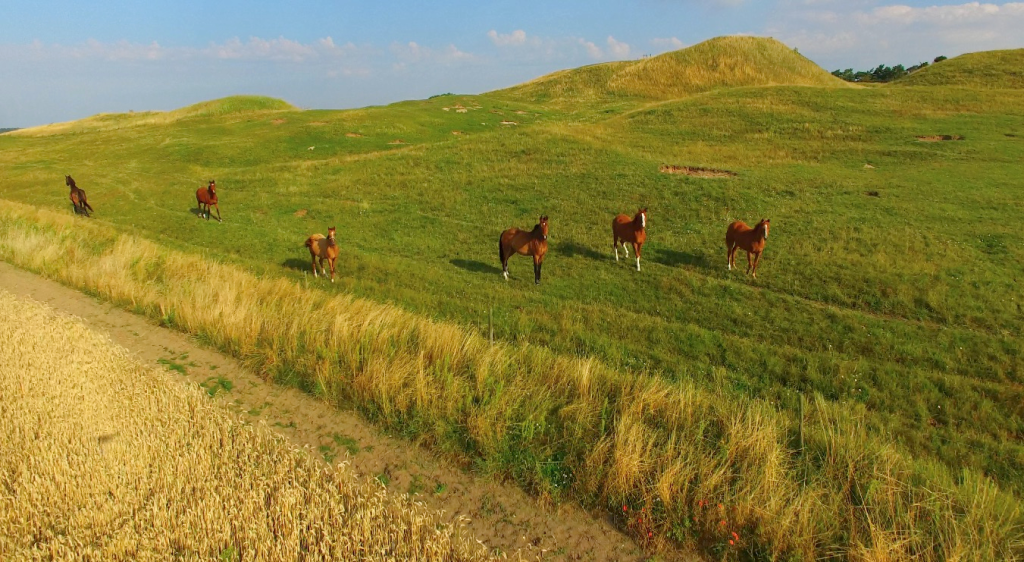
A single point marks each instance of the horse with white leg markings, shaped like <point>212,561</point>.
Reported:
<point>739,235</point>
<point>632,230</point>
<point>323,248</point>
<point>528,243</point>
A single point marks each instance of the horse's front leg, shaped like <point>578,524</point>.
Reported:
<point>536,269</point>
<point>615,246</point>
<point>330,261</point>
<point>218,212</point>
<point>636,250</point>
<point>757,259</point>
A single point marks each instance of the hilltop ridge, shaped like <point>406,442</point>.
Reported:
<point>106,121</point>
<point>722,62</point>
<point>985,69</point>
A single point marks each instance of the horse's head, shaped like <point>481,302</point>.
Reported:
<point>212,187</point>
<point>331,233</point>
<point>543,226</point>
<point>764,223</point>
<point>641,217</point>
<point>68,181</point>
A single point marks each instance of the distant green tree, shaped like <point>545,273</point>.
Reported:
<point>939,58</point>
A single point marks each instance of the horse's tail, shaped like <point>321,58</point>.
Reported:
<point>87,205</point>
<point>501,251</point>
<point>309,243</point>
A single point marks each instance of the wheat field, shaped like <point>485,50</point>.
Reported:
<point>103,459</point>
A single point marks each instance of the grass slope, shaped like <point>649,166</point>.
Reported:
<point>223,107</point>
<point>722,62</point>
<point>983,70</point>
<point>888,286</point>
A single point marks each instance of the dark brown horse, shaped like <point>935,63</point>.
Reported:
<point>323,249</point>
<point>533,243</point>
<point>739,235</point>
<point>77,196</point>
<point>207,196</point>
<point>632,230</point>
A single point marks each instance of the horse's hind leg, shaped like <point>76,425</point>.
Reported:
<point>750,265</point>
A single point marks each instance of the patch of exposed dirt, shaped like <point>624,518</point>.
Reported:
<point>457,133</point>
<point>872,194</point>
<point>697,172</point>
<point>301,213</point>
<point>318,123</point>
<point>868,167</point>
<point>353,135</point>
<point>509,123</point>
<point>397,141</point>
<point>277,121</point>
<point>939,138</point>
<point>501,517</point>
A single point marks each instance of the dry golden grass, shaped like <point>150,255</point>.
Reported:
<point>700,465</point>
<point>102,459</point>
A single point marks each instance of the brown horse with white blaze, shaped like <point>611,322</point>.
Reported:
<point>323,249</point>
<point>632,230</point>
<point>739,235</point>
<point>77,196</point>
<point>207,197</point>
<point>528,243</point>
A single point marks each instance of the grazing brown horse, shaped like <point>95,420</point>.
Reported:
<point>323,249</point>
<point>632,230</point>
<point>533,243</point>
<point>752,240</point>
<point>207,196</point>
<point>77,196</point>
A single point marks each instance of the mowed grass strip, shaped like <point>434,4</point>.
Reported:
<point>103,459</point>
<point>671,460</point>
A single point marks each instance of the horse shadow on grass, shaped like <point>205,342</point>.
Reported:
<point>572,249</point>
<point>675,258</point>
<point>475,266</point>
<point>295,263</point>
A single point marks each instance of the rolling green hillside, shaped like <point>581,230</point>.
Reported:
<point>984,70</point>
<point>889,287</point>
<point>723,62</point>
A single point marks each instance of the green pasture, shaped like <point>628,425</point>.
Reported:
<point>891,276</point>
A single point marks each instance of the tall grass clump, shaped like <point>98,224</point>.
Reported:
<point>672,461</point>
<point>103,459</point>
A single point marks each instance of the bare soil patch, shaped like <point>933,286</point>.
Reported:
<point>397,141</point>
<point>509,123</point>
<point>697,172</point>
<point>939,138</point>
<point>457,133</point>
<point>502,517</point>
<point>277,121</point>
<point>353,135</point>
<point>301,213</point>
<point>318,123</point>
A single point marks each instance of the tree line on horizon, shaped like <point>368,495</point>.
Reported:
<point>881,73</point>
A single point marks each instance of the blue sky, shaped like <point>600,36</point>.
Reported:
<point>67,60</point>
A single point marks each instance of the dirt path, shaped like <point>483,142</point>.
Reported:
<point>503,517</point>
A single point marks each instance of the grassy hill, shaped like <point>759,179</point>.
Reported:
<point>984,70</point>
<point>888,289</point>
<point>233,105</point>
<point>723,62</point>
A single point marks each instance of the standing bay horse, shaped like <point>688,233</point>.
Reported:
<point>752,240</point>
<point>632,230</point>
<point>77,196</point>
<point>207,196</point>
<point>533,243</point>
<point>323,249</point>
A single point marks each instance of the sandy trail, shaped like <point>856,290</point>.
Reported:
<point>503,517</point>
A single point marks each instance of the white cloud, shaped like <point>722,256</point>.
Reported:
<point>618,49</point>
<point>517,37</point>
<point>844,35</point>
<point>667,44</point>
<point>592,50</point>
<point>256,48</point>
<point>414,53</point>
